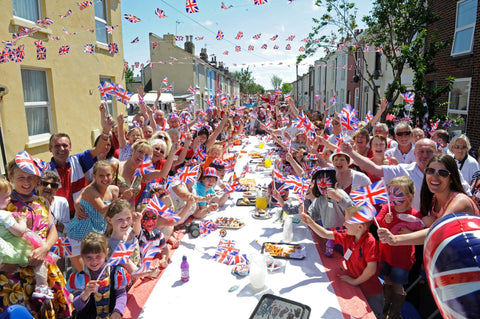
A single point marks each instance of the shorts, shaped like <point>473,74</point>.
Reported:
<point>397,275</point>
<point>75,247</point>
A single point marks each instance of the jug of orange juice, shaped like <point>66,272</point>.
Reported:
<point>261,201</point>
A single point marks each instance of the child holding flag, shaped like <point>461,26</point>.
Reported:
<point>396,261</point>
<point>99,290</point>
<point>361,252</point>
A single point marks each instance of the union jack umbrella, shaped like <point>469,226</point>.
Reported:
<point>121,254</point>
<point>451,265</point>
<point>372,194</point>
<point>148,255</point>
<point>131,18</point>
<point>145,168</point>
<point>191,90</point>
<point>155,205</point>
<point>365,214</point>
<point>259,2</point>
<point>64,49</point>
<point>122,95</point>
<point>26,163</point>
<point>188,174</point>
<point>220,35</point>
<point>191,6</point>
<point>41,53</point>
<point>160,13</point>
<point>84,4</point>
<point>112,48</point>
<point>62,247</point>
<point>88,48</point>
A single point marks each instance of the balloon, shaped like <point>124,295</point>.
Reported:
<point>452,264</point>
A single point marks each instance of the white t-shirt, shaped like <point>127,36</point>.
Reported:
<point>359,179</point>
<point>470,166</point>
<point>402,158</point>
<point>61,211</point>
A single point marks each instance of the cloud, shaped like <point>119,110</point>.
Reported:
<point>208,23</point>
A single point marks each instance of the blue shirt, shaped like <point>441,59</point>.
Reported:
<point>199,188</point>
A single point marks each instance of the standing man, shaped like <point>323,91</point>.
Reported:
<point>404,150</point>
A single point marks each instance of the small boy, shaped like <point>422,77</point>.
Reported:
<point>361,253</point>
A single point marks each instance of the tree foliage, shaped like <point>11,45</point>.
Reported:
<point>286,88</point>
<point>397,28</point>
<point>128,76</point>
<point>247,81</point>
<point>276,82</point>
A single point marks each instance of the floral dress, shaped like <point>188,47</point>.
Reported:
<point>17,287</point>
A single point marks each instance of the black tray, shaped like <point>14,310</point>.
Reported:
<point>298,254</point>
<point>271,306</point>
<point>252,202</point>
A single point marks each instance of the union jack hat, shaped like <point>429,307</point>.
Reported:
<point>210,171</point>
<point>173,116</point>
<point>27,164</point>
<point>217,163</point>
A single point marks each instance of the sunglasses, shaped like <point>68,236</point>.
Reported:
<point>403,133</point>
<point>52,185</point>
<point>159,150</point>
<point>162,137</point>
<point>441,172</point>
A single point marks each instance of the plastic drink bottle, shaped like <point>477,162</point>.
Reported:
<point>185,269</point>
<point>329,248</point>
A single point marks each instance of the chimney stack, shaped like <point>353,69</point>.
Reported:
<point>189,46</point>
<point>204,55</point>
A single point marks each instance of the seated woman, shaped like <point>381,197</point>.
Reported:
<point>17,288</point>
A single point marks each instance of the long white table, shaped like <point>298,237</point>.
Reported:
<point>207,294</point>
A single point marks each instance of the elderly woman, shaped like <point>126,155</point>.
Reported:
<point>347,179</point>
<point>18,282</point>
<point>467,165</point>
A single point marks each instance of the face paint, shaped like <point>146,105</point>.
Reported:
<point>149,220</point>
<point>323,183</point>
<point>396,196</point>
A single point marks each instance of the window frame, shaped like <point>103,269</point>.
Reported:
<point>39,9</point>
<point>456,112</point>
<point>470,50</point>
<point>40,138</point>
<point>105,4</point>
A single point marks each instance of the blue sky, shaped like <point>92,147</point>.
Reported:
<point>277,17</point>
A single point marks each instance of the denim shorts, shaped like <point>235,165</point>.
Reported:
<point>396,275</point>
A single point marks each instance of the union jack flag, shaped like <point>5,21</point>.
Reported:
<point>372,194</point>
<point>368,116</point>
<point>301,49</point>
<point>168,89</point>
<point>225,52</point>
<point>41,53</point>
<point>179,38</point>
<point>333,100</point>
<point>136,40</point>
<point>251,48</point>
<point>328,122</point>
<point>69,12</point>
<point>264,47</point>
<point>378,50</point>
<point>237,48</point>
<point>366,49</point>
<point>222,256</point>
<point>160,13</point>
<point>306,40</point>
<point>294,183</point>
<point>155,205</point>
<point>84,4</point>
<point>278,92</point>
<point>275,37</point>
<point>220,35</point>
<point>121,254</point>
<point>223,99</point>
<point>112,48</point>
<point>131,18</point>
<point>409,97</point>
<point>246,169</point>
<point>191,90</point>
<point>348,119</point>
<point>290,38</point>
<point>64,49</point>
<point>230,164</point>
<point>123,95</point>
<point>44,23</point>
<point>110,28</point>
<point>188,174</point>
<point>191,6</point>
<point>107,89</point>
<point>239,35</point>
<point>365,214</point>
<point>288,47</point>
<point>198,38</point>
<point>88,48</point>
<point>257,36</point>
<point>287,96</point>
<point>148,255</point>
<point>27,164</point>
<point>62,247</point>
<point>277,176</point>
<point>165,81</point>
<point>224,7</point>
<point>145,168</point>
<point>19,54</point>
<point>259,2</point>
<point>275,47</point>
<point>285,119</point>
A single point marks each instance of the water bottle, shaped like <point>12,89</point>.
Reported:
<point>185,269</point>
<point>329,248</point>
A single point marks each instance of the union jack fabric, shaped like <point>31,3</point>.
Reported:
<point>288,47</point>
<point>220,35</point>
<point>372,194</point>
<point>287,96</point>
<point>122,95</point>
<point>198,38</point>
<point>110,28</point>
<point>264,46</point>
<point>451,247</point>
<point>257,36</point>
<point>238,48</point>
<point>348,119</point>
<point>155,205</point>
<point>191,90</point>
<point>26,163</point>
<point>107,89</point>
<point>131,18</point>
<point>160,13</point>
<point>191,6</point>
<point>44,23</point>
<point>165,81</point>
<point>84,4</point>
<point>188,174</point>
<point>365,214</point>
<point>41,53</point>
<point>323,183</point>
<point>251,48</point>
<point>64,49</point>
<point>368,116</point>
<point>290,38</point>
<point>275,47</point>
<point>62,247</point>
<point>259,2</point>
<point>224,7</point>
<point>112,48</point>
<point>239,35</point>
<point>409,97</point>
<point>148,255</point>
<point>88,48</point>
<point>275,37</point>
<point>121,254</point>
<point>145,168</point>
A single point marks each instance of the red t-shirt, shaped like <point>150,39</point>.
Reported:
<point>398,256</point>
<point>365,250</point>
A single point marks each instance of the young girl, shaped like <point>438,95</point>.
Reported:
<point>396,261</point>
<point>125,142</point>
<point>121,218</point>
<point>17,243</point>
<point>94,201</point>
<point>94,297</point>
<point>204,188</point>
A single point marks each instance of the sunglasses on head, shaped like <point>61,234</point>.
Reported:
<point>52,185</point>
<point>441,172</point>
<point>403,133</point>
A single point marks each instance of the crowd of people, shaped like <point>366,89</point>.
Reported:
<point>101,199</point>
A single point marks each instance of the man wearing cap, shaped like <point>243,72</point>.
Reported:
<point>173,121</point>
<point>72,168</point>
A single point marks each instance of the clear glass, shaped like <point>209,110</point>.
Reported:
<point>258,271</point>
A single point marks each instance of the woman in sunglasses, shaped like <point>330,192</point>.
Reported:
<point>467,165</point>
<point>442,194</point>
